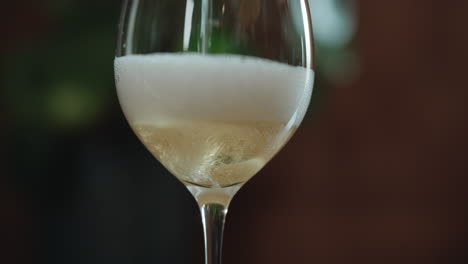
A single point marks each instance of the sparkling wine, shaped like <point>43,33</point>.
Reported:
<point>212,120</point>
<point>214,153</point>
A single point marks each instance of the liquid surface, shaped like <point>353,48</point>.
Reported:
<point>214,154</point>
<point>171,100</point>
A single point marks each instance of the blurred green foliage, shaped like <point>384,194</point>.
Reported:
<point>64,79</point>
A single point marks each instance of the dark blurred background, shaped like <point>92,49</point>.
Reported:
<point>376,174</point>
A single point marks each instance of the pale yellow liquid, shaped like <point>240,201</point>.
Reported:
<point>214,154</point>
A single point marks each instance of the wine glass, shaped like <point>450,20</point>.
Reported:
<point>214,89</point>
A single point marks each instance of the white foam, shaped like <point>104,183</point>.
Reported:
<point>164,87</point>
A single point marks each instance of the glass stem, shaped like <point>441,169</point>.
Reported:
<point>213,217</point>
